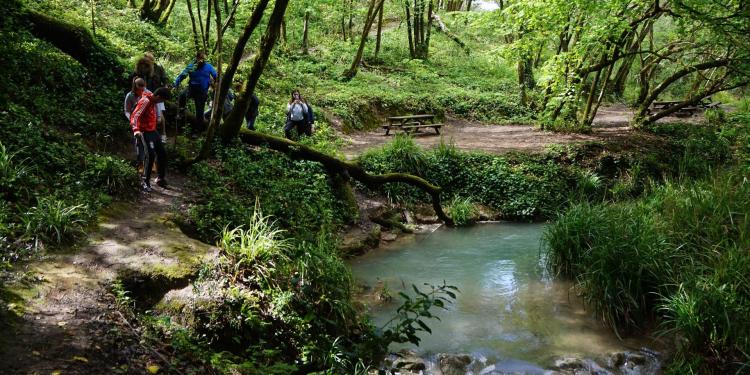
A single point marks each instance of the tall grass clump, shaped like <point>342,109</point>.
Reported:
<point>678,256</point>
<point>53,221</point>
<point>461,210</point>
<point>255,249</point>
<point>614,253</point>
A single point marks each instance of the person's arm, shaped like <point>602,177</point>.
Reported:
<point>135,118</point>
<point>182,76</point>
<point>288,108</point>
<point>126,107</point>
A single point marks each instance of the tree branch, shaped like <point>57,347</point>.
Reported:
<point>334,165</point>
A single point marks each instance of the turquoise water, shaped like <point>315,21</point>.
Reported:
<point>508,308</point>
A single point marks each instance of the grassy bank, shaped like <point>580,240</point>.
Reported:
<point>677,257</point>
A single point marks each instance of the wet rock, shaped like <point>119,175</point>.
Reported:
<point>637,359</point>
<point>484,213</point>
<point>388,236</point>
<point>453,364</point>
<point>358,240</point>
<point>406,362</point>
<point>426,219</point>
<point>616,360</point>
<point>570,363</point>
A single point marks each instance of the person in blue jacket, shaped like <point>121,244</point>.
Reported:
<point>200,76</point>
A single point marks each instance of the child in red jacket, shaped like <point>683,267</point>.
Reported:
<point>143,121</point>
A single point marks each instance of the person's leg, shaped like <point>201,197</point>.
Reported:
<point>139,151</point>
<point>182,102</point>
<point>200,107</point>
<point>161,161</point>
<point>250,120</point>
<point>151,138</point>
<point>307,129</point>
<point>288,129</point>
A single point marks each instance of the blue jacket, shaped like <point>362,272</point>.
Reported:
<point>200,78</point>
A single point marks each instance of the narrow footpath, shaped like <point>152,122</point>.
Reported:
<point>70,323</point>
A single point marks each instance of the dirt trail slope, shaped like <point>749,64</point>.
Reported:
<point>611,125</point>
<point>70,323</point>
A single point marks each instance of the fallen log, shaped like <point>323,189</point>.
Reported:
<point>345,168</point>
<point>444,29</point>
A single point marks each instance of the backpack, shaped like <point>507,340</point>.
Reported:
<point>310,114</point>
<point>297,112</point>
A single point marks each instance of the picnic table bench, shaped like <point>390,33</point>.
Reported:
<point>686,111</point>
<point>410,123</point>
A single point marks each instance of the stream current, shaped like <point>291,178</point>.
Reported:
<point>508,308</point>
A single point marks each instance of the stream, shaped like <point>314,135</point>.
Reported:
<point>509,309</point>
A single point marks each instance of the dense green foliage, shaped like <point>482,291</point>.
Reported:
<point>297,194</point>
<point>52,183</point>
<point>528,187</point>
<point>678,254</point>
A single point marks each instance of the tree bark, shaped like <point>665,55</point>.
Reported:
<point>305,30</point>
<point>226,82</point>
<point>196,37</point>
<point>233,123</point>
<point>369,20</point>
<point>334,165</point>
<point>380,29</point>
<point>451,35</point>
<point>78,43</point>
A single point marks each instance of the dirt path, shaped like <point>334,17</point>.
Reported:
<point>611,125</point>
<point>70,323</point>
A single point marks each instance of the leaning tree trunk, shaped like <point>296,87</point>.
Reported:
<point>226,81</point>
<point>369,20</point>
<point>78,43</point>
<point>345,168</point>
<point>233,123</point>
<point>305,31</point>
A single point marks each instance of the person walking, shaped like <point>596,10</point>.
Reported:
<point>143,123</point>
<point>296,116</point>
<point>252,111</point>
<point>200,75</point>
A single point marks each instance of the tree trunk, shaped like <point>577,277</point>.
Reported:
<point>305,29</point>
<point>226,82</point>
<point>409,30</point>
<point>196,37</point>
<point>167,13</point>
<point>233,123</point>
<point>78,43</point>
<point>452,36</point>
<point>380,29</point>
<point>204,42</point>
<point>369,20</point>
<point>651,97</point>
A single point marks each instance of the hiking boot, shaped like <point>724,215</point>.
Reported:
<point>161,182</point>
<point>146,187</point>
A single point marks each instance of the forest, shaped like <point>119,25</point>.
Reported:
<point>375,187</point>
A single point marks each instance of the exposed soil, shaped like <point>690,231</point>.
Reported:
<point>70,322</point>
<point>611,125</point>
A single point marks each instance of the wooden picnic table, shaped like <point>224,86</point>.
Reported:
<point>410,123</point>
<point>686,111</point>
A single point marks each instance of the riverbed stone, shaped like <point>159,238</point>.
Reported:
<point>388,236</point>
<point>357,240</point>
<point>406,362</point>
<point>615,360</point>
<point>453,364</point>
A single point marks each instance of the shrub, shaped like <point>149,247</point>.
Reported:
<point>54,222</point>
<point>680,254</point>
<point>462,211</point>
<point>112,175</point>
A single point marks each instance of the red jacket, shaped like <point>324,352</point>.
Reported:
<point>143,118</point>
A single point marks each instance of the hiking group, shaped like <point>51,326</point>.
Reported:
<point>147,113</point>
